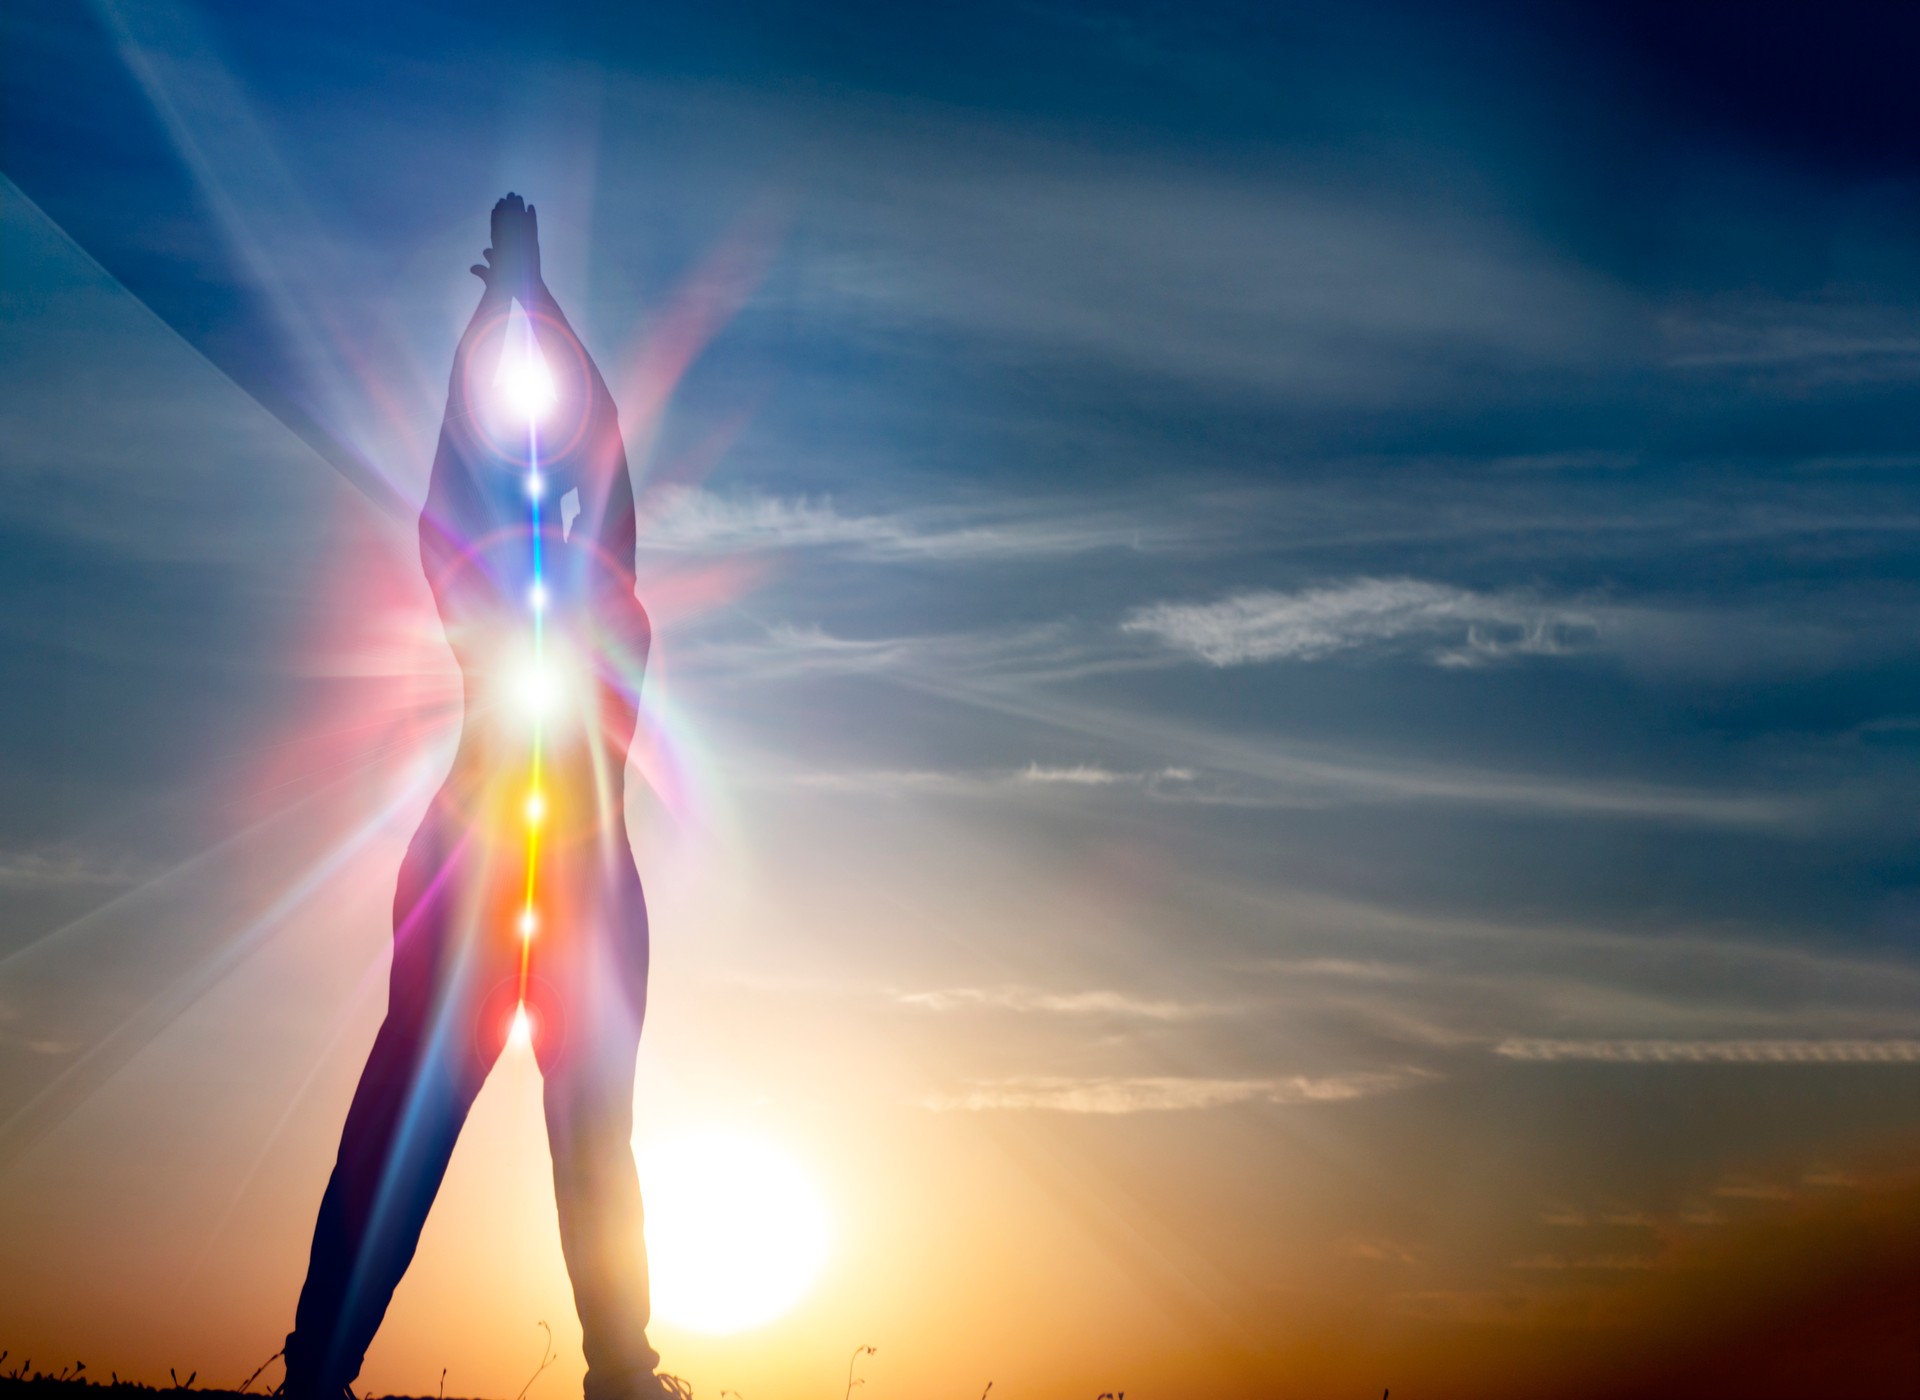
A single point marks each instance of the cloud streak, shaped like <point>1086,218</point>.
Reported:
<point>1454,626</point>
<point>1715,1052</point>
<point>1007,672</point>
<point>1239,285</point>
<point>694,521</point>
<point>44,868</point>
<point>1164,1094</point>
<point>1088,1003</point>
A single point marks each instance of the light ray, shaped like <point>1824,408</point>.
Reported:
<point>60,1096</point>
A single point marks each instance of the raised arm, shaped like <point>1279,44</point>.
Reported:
<point>576,379</point>
<point>456,513</point>
<point>607,516</point>
<point>476,360</point>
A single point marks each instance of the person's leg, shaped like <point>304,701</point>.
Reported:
<point>589,1110</point>
<point>425,1069</point>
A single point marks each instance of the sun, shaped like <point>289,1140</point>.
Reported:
<point>736,1231</point>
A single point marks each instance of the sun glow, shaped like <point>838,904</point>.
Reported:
<point>736,1231</point>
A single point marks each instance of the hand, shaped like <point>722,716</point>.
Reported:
<point>513,262</point>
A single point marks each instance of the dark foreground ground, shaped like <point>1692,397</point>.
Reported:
<point>35,1385</point>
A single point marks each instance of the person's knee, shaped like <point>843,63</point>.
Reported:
<point>590,1139</point>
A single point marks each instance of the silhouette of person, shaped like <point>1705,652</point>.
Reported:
<point>518,896</point>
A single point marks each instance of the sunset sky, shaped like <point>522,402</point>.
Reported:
<point>1286,693</point>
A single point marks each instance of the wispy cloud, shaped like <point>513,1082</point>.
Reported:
<point>1618,1219</point>
<point>1831,1178</point>
<point>1266,772</point>
<point>1727,1052</point>
<point>785,650</point>
<point>1008,671</point>
<point>696,521</point>
<point>43,868</point>
<point>1164,1094</point>
<point>1455,626</point>
<point>1178,785</point>
<point>1087,1003</point>
<point>1171,272</point>
<point>1079,775</point>
<point>1808,340</point>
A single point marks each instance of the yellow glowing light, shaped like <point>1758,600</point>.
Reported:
<point>529,921</point>
<point>536,808</point>
<point>736,1231</point>
<point>524,386</point>
<point>520,1033</point>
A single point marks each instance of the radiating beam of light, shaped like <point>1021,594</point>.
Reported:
<point>663,482</point>
<point>338,774</point>
<point>228,152</point>
<point>223,145</point>
<point>429,1082</point>
<point>346,462</point>
<point>343,1019</point>
<point>106,1057</point>
<point>723,283</point>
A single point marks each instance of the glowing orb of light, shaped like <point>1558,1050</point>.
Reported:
<point>736,1232</point>
<point>537,687</point>
<point>536,808</point>
<point>520,1032</point>
<point>523,384</point>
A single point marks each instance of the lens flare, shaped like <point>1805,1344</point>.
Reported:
<point>524,385</point>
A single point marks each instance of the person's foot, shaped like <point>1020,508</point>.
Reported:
<point>300,1388</point>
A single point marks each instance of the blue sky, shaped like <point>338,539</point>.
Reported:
<point>1276,559</point>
